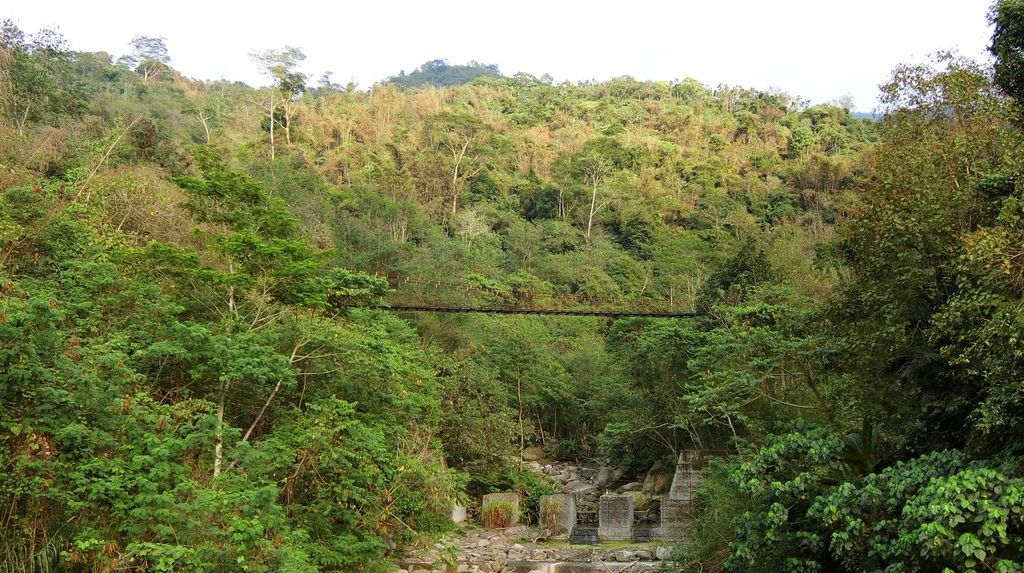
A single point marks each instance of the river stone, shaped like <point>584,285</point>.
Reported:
<point>657,484</point>
<point>413,565</point>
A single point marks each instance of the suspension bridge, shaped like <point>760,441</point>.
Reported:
<point>411,294</point>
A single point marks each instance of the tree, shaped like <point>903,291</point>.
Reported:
<point>1008,46</point>
<point>280,65</point>
<point>35,83</point>
<point>593,169</point>
<point>591,166</point>
<point>460,134</point>
<point>148,57</point>
<point>941,175</point>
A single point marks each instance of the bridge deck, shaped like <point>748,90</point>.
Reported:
<point>552,311</point>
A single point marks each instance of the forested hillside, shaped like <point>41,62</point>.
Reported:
<point>198,371</point>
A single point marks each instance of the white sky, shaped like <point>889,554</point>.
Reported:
<point>817,49</point>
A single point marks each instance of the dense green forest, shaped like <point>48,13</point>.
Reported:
<point>185,384</point>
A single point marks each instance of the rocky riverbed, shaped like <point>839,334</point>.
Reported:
<point>523,549</point>
<point>589,483</point>
<point>513,550</point>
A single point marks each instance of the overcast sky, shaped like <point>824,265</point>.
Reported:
<point>817,49</point>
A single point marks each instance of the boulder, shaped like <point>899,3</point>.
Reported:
<point>624,556</point>
<point>413,565</point>
<point>584,490</point>
<point>657,483</point>
<point>640,500</point>
<point>631,486</point>
<point>573,485</point>
<point>533,454</point>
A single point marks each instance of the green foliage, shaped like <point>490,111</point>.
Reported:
<point>934,511</point>
<point>37,85</point>
<point>718,502</point>
<point>185,384</point>
<point>1007,41</point>
<point>924,342</point>
<point>737,277</point>
<point>114,394</point>
<point>782,479</point>
<point>906,245</point>
<point>478,426</point>
<point>511,477</point>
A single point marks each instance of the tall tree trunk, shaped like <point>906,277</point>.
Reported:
<point>457,156</point>
<point>263,410</point>
<point>288,123</point>
<point>218,443</point>
<point>23,121</point>
<point>522,428</point>
<point>593,208</point>
<point>271,126</point>
<point>456,191</point>
<point>232,305</point>
<point>204,119</point>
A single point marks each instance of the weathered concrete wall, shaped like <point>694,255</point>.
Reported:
<point>558,513</point>
<point>615,517</point>
<point>677,509</point>
<point>687,476</point>
<point>675,517</point>
<point>458,513</point>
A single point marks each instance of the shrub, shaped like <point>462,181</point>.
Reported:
<point>499,513</point>
<point>551,509</point>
